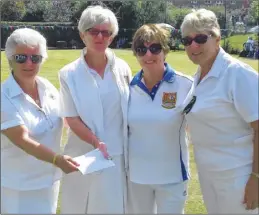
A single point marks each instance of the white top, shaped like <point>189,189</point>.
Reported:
<point>100,103</point>
<point>112,113</point>
<point>226,102</point>
<point>158,151</point>
<point>20,170</point>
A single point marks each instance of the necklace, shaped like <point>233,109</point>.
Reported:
<point>35,97</point>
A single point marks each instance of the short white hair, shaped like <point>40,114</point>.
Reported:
<point>27,37</point>
<point>199,21</point>
<point>96,15</point>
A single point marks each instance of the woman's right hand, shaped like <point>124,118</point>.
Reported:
<point>66,164</point>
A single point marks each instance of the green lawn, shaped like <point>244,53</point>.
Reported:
<point>178,60</point>
<point>237,41</point>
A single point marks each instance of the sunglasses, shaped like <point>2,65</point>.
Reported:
<point>154,49</point>
<point>22,58</point>
<point>200,39</point>
<point>95,32</point>
<point>188,108</point>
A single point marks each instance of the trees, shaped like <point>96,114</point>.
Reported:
<point>130,14</point>
<point>12,10</point>
<point>35,10</point>
<point>152,12</point>
<point>127,15</point>
<point>254,8</point>
<point>58,11</point>
<point>49,10</point>
<point>177,15</point>
<point>220,13</point>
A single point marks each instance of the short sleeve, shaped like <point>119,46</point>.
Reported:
<point>126,71</point>
<point>245,93</point>
<point>67,106</point>
<point>129,72</point>
<point>10,117</point>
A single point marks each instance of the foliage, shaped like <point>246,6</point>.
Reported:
<point>53,32</point>
<point>35,10</point>
<point>220,13</point>
<point>237,41</point>
<point>12,10</point>
<point>177,15</point>
<point>254,8</point>
<point>147,15</point>
<point>227,46</point>
<point>235,51</point>
<point>58,11</point>
<point>78,7</point>
<point>50,10</point>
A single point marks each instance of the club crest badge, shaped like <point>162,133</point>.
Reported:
<point>169,100</point>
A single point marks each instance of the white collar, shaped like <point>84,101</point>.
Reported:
<point>109,54</point>
<point>15,89</point>
<point>218,66</point>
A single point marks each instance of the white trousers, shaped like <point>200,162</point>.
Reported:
<point>103,192</point>
<point>42,201</point>
<point>224,195</point>
<point>161,199</point>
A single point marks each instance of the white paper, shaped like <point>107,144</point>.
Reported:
<point>93,161</point>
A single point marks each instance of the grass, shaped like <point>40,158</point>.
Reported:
<point>237,41</point>
<point>178,60</point>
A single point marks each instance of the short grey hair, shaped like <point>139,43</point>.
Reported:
<point>96,15</point>
<point>27,37</point>
<point>199,21</point>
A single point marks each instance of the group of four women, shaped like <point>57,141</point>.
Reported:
<point>139,122</point>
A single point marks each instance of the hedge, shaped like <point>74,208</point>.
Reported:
<point>60,35</point>
<point>52,33</point>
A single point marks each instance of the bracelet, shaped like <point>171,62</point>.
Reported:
<point>255,174</point>
<point>55,159</point>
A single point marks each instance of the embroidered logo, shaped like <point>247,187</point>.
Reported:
<point>169,100</point>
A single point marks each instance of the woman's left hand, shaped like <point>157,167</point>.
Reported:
<point>103,148</point>
<point>251,193</point>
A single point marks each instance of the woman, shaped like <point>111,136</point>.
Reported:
<point>222,117</point>
<point>158,153</point>
<point>94,99</point>
<point>30,130</point>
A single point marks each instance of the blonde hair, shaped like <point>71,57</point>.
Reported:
<point>149,33</point>
<point>199,21</point>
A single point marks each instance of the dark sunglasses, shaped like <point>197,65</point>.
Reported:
<point>188,108</point>
<point>95,32</point>
<point>200,39</point>
<point>154,49</point>
<point>22,58</point>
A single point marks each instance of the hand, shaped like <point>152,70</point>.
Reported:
<point>103,148</point>
<point>66,164</point>
<point>251,193</point>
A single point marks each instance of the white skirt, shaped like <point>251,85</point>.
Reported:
<point>102,192</point>
<point>42,201</point>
